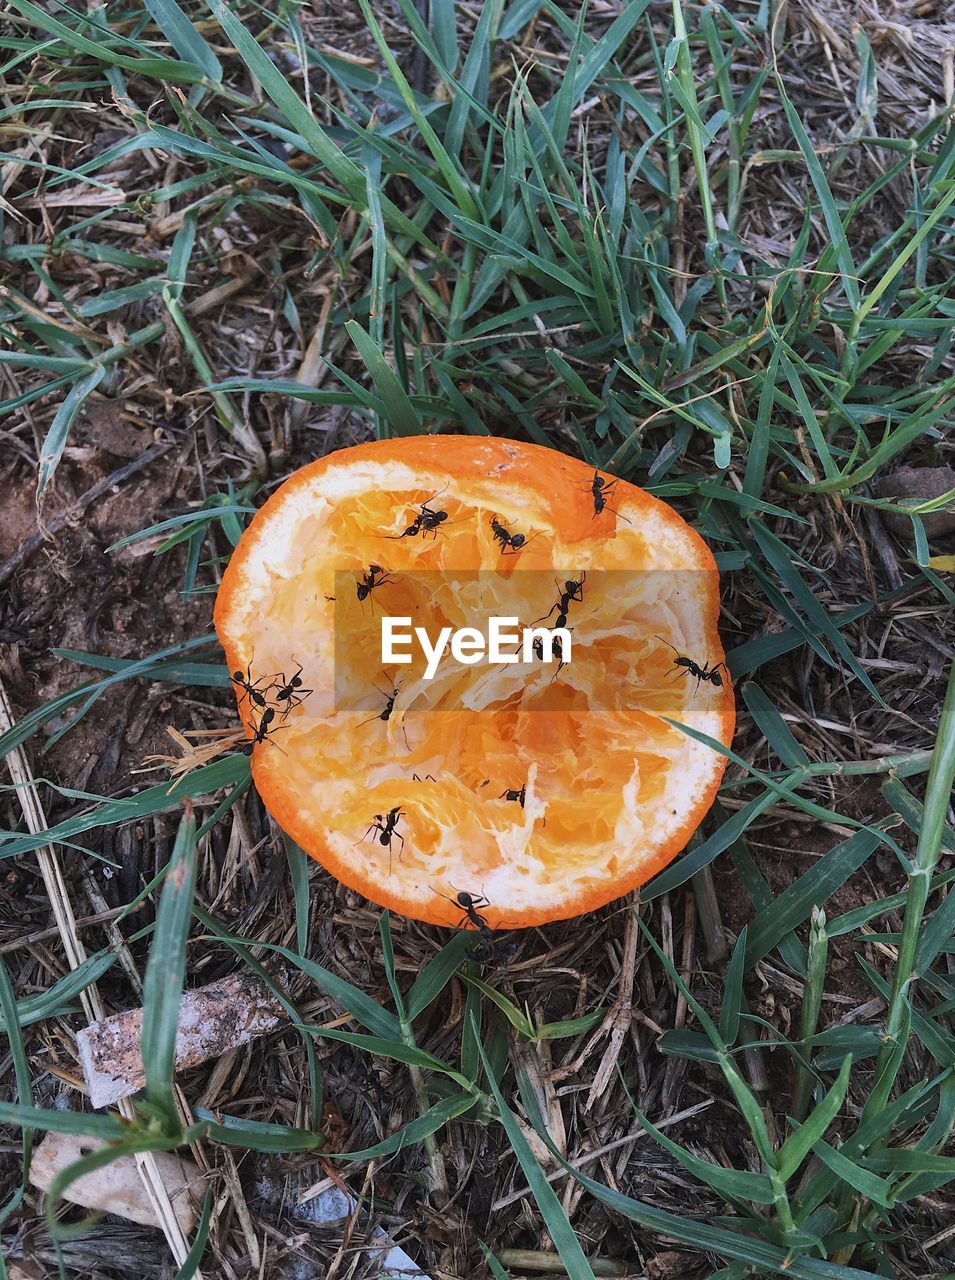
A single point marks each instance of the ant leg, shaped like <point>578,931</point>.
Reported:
<point>668,644</point>
<point>439,894</point>
<point>299,697</point>
<point>547,614</point>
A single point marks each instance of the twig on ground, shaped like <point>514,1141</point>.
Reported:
<point>29,798</point>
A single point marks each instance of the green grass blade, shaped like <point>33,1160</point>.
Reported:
<point>391,973</point>
<point>198,1247</point>
<point>413,1132</point>
<point>252,1135</point>
<point>444,25</point>
<point>166,971</point>
<point>12,1029</point>
<point>515,1016</point>
<point>686,867</point>
<point>47,1003</point>
<point>938,794</point>
<point>798,1145</point>
<point>131,1144</point>
<point>361,1006</point>
<point>88,694</point>
<point>773,727</point>
<point>396,1050</point>
<point>732,1184</point>
<point>298,872</point>
<point>459,187</point>
<point>495,1268</point>
<point>795,904</point>
<point>59,431</point>
<point>267,74</point>
<point>830,212</point>
<point>184,37</point>
<point>868,1184</point>
<point>474,74</point>
<point>936,935</point>
<point>778,555</point>
<point>555,1219</point>
<point>436,975</point>
<point>733,991</point>
<point>161,68</point>
<point>398,408</point>
<point>749,1249</point>
<point>899,261</point>
<point>745,1100</point>
<point>108,1128</point>
<point>158,799</point>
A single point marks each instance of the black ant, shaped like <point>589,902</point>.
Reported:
<point>250,687</point>
<point>704,674</point>
<point>601,490</point>
<point>386,825</point>
<point>470,904</point>
<point>261,731</point>
<point>573,591</point>
<point>557,651</point>
<point>291,692</point>
<point>513,793</point>
<point>511,543</point>
<point>387,710</point>
<point>428,777</point>
<point>385,714</point>
<point>426,521</point>
<point>375,577</point>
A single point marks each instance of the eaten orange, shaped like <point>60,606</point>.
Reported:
<point>540,789</point>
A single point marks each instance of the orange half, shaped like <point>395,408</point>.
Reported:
<point>540,792</point>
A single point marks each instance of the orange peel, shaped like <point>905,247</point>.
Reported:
<point>544,794</point>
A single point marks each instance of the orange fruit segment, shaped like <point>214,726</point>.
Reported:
<point>538,789</point>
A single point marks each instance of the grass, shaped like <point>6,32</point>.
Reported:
<point>559,243</point>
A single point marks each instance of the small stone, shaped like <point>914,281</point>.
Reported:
<point>667,1265</point>
<point>911,486</point>
<point>117,1187</point>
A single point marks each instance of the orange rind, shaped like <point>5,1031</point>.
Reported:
<point>543,793</point>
